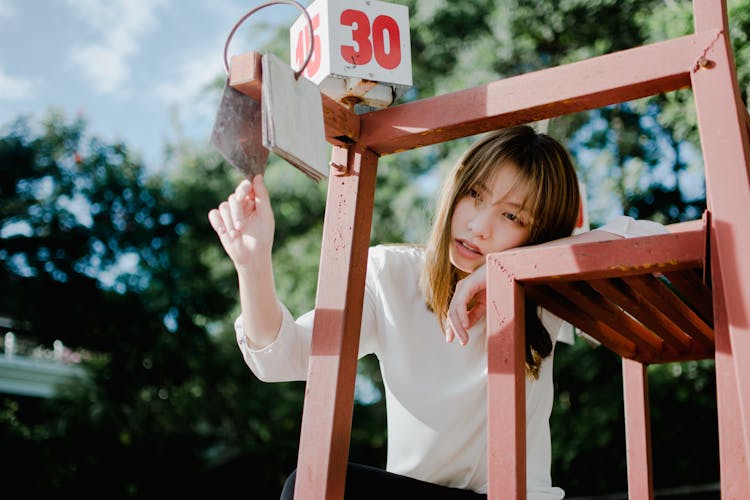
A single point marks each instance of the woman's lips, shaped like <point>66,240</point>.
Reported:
<point>467,248</point>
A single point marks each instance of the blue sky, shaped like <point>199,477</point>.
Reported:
<point>133,68</point>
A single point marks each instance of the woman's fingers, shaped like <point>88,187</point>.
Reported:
<point>230,214</point>
<point>214,217</point>
<point>245,198</point>
<point>244,231</point>
<point>217,222</point>
<point>241,203</point>
<point>455,329</point>
<point>449,335</point>
<point>244,188</point>
<point>226,216</point>
<point>460,303</point>
<point>467,306</point>
<point>235,211</point>
<point>477,313</point>
<point>262,200</point>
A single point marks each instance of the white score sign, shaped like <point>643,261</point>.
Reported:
<point>361,49</point>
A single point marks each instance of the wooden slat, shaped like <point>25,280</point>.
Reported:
<point>600,308</point>
<point>647,313</point>
<point>691,287</point>
<point>569,311</point>
<point>655,292</point>
<point>245,72</point>
<point>589,84</point>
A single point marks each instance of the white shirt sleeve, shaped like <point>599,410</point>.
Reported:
<point>287,358</point>
<point>628,227</point>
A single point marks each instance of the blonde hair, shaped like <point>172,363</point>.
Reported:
<point>552,200</point>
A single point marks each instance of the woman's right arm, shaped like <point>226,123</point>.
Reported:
<point>245,226</point>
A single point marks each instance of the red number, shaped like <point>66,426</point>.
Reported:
<point>303,44</point>
<point>360,35</point>
<point>380,26</point>
<point>389,59</point>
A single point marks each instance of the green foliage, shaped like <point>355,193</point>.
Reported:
<point>168,405</point>
<point>588,426</point>
<point>124,264</point>
<point>588,444</point>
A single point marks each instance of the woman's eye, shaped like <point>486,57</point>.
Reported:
<point>474,193</point>
<point>513,217</point>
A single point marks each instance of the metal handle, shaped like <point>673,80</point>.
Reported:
<point>256,9</point>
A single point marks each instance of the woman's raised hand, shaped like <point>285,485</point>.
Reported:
<point>468,305</point>
<point>245,224</point>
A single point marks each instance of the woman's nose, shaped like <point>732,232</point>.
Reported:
<point>480,224</point>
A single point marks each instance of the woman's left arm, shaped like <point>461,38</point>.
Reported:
<point>468,304</point>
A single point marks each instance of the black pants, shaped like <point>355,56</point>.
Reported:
<point>364,483</point>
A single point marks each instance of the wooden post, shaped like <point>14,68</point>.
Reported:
<point>329,396</point>
<point>735,482</point>
<point>506,385</point>
<point>637,430</point>
<point>724,139</point>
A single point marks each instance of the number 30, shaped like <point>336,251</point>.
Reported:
<point>361,29</point>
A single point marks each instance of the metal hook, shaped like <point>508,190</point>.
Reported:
<point>256,9</point>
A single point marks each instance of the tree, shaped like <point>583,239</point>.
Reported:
<point>99,254</point>
<point>125,265</point>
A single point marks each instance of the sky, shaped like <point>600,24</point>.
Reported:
<point>135,70</point>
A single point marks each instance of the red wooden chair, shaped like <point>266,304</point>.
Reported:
<point>644,298</point>
<point>641,318</point>
<point>652,299</point>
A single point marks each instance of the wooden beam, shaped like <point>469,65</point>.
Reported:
<point>592,83</point>
<point>606,259</point>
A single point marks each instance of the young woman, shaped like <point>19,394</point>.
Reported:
<point>513,187</point>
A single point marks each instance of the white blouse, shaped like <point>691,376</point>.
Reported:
<point>436,393</point>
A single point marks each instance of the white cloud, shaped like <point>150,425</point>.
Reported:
<point>194,75</point>
<point>190,101</point>
<point>12,88</point>
<point>120,25</point>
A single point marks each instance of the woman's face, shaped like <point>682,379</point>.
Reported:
<point>489,219</point>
